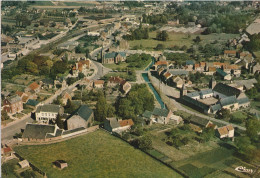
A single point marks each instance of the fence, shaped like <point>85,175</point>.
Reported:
<point>33,166</point>
<point>166,164</point>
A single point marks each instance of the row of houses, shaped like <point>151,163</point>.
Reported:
<point>215,98</point>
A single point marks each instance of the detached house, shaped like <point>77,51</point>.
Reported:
<point>177,81</point>
<point>230,53</point>
<point>81,66</point>
<point>161,116</point>
<point>46,113</point>
<point>125,86</point>
<point>13,104</point>
<point>226,131</point>
<point>33,88</point>
<point>113,125</point>
<point>99,83</point>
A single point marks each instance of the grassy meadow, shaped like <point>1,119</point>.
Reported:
<point>97,154</point>
<point>179,40</point>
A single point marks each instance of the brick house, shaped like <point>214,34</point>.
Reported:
<point>13,104</point>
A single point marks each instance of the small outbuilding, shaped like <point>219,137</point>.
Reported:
<point>24,164</point>
<point>60,164</point>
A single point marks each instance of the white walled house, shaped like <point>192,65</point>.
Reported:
<point>206,93</point>
<point>226,131</point>
<point>46,113</point>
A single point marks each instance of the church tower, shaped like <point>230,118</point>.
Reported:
<point>183,90</point>
<point>212,83</point>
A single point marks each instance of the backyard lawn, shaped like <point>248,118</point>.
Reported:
<point>179,40</point>
<point>97,154</point>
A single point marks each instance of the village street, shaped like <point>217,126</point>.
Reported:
<point>8,131</point>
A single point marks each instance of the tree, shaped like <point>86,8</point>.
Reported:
<point>59,122</point>
<point>245,148</point>
<point>207,134</point>
<point>160,47</point>
<point>103,109</point>
<point>162,35</point>
<point>81,75</point>
<point>223,114</point>
<point>252,129</point>
<point>4,116</point>
<point>87,52</point>
<point>144,143</point>
<point>197,39</point>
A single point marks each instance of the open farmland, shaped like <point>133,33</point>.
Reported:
<point>96,154</point>
<point>176,39</point>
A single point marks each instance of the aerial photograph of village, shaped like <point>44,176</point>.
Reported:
<point>162,89</point>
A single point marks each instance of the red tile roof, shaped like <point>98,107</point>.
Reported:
<point>167,74</point>
<point>97,82</point>
<point>126,122</point>
<point>19,93</point>
<point>34,86</point>
<point>212,69</point>
<point>230,52</point>
<point>202,64</point>
<point>161,63</point>
<point>7,149</point>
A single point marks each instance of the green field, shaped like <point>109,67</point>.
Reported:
<point>212,162</point>
<point>179,40</point>
<point>257,54</point>
<point>97,154</point>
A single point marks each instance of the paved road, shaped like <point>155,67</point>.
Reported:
<point>8,132</point>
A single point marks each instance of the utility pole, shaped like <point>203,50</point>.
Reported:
<point>104,8</point>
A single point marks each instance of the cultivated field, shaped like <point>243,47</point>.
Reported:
<point>179,40</point>
<point>211,159</point>
<point>96,154</point>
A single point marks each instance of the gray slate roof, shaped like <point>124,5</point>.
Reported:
<point>84,112</point>
<point>243,100</point>
<point>48,108</point>
<point>193,94</point>
<point>32,102</point>
<point>37,131</point>
<point>114,54</point>
<point>14,99</point>
<point>147,114</point>
<point>216,107</point>
<point>228,100</point>
<point>226,90</point>
<point>190,62</point>
<point>221,72</point>
<point>113,122</point>
<point>178,72</point>
<point>160,112</point>
<point>205,92</point>
<point>196,103</point>
<point>199,121</point>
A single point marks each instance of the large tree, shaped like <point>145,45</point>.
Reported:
<point>103,109</point>
<point>59,122</point>
<point>252,129</point>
